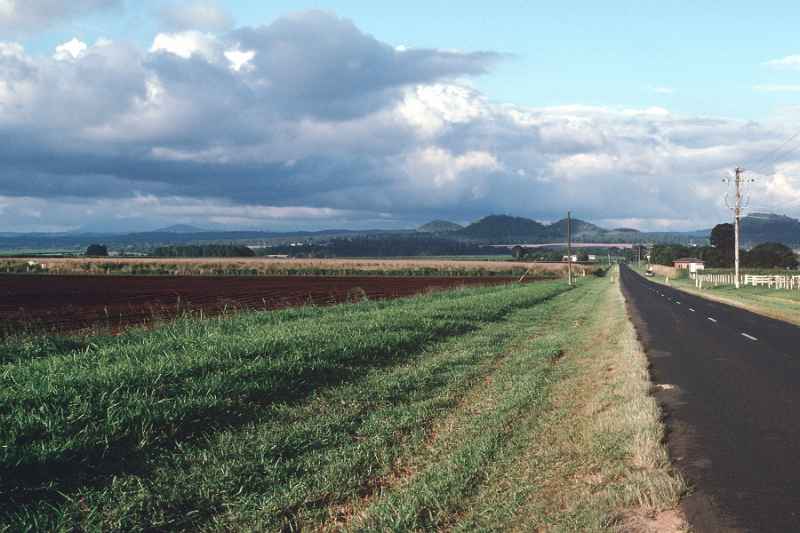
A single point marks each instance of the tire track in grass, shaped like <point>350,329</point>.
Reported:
<point>454,466</point>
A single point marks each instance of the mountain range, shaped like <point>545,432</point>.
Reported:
<point>508,229</point>
<point>492,229</point>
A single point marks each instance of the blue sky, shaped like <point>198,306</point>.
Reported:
<point>375,114</point>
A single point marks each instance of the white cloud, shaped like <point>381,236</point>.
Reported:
<point>663,90</point>
<point>12,49</point>
<point>788,62</point>
<point>186,43</point>
<point>240,59</point>
<point>777,88</point>
<point>431,108</point>
<point>72,49</point>
<point>435,165</point>
<point>149,211</point>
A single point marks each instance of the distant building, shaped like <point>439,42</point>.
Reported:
<point>570,258</point>
<point>691,264</point>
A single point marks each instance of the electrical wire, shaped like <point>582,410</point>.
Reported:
<point>775,155</point>
<point>776,150</point>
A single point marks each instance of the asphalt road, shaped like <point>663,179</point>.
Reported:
<point>729,382</point>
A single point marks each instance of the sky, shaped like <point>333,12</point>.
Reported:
<point>120,115</point>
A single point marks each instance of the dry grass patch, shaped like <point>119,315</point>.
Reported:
<point>282,266</point>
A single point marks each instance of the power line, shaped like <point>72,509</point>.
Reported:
<point>775,155</point>
<point>776,150</point>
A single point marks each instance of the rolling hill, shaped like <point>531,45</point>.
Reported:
<point>503,228</point>
<point>768,227</point>
<point>439,226</point>
<point>507,229</point>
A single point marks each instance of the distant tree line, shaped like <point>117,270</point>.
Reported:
<point>204,250</point>
<point>766,255</point>
<point>382,246</point>
<point>558,254</point>
<point>97,250</point>
<point>721,252</point>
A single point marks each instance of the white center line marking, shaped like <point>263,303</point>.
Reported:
<point>749,337</point>
<point>692,310</point>
<point>678,303</point>
<point>712,319</point>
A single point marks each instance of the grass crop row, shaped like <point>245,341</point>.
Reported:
<point>107,409</point>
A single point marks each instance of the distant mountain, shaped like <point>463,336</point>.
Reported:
<point>147,240</point>
<point>502,228</point>
<point>580,229</point>
<point>769,227</point>
<point>493,229</point>
<point>507,229</point>
<point>179,228</point>
<point>439,226</point>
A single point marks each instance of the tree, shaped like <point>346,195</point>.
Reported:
<point>723,238</point>
<point>97,250</point>
<point>770,255</point>
<point>713,257</point>
<point>518,252</point>
<point>583,257</point>
<point>204,250</point>
<point>666,254</point>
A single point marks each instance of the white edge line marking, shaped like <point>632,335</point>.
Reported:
<point>749,337</point>
<point>692,310</point>
<point>712,319</point>
<point>678,303</point>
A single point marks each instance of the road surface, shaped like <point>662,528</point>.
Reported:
<point>729,382</point>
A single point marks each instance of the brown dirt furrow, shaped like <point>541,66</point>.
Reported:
<point>69,303</point>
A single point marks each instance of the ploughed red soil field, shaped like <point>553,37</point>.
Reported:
<point>69,303</point>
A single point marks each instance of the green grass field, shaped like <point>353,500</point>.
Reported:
<point>410,414</point>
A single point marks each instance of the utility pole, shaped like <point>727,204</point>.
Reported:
<point>569,248</point>
<point>639,263</point>
<point>737,215</point>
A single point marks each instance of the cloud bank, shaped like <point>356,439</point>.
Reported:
<point>310,122</point>
<point>21,16</point>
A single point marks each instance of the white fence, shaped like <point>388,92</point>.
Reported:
<point>711,279</point>
<point>774,281</point>
<point>778,282</point>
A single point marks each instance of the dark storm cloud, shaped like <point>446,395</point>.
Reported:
<point>317,64</point>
